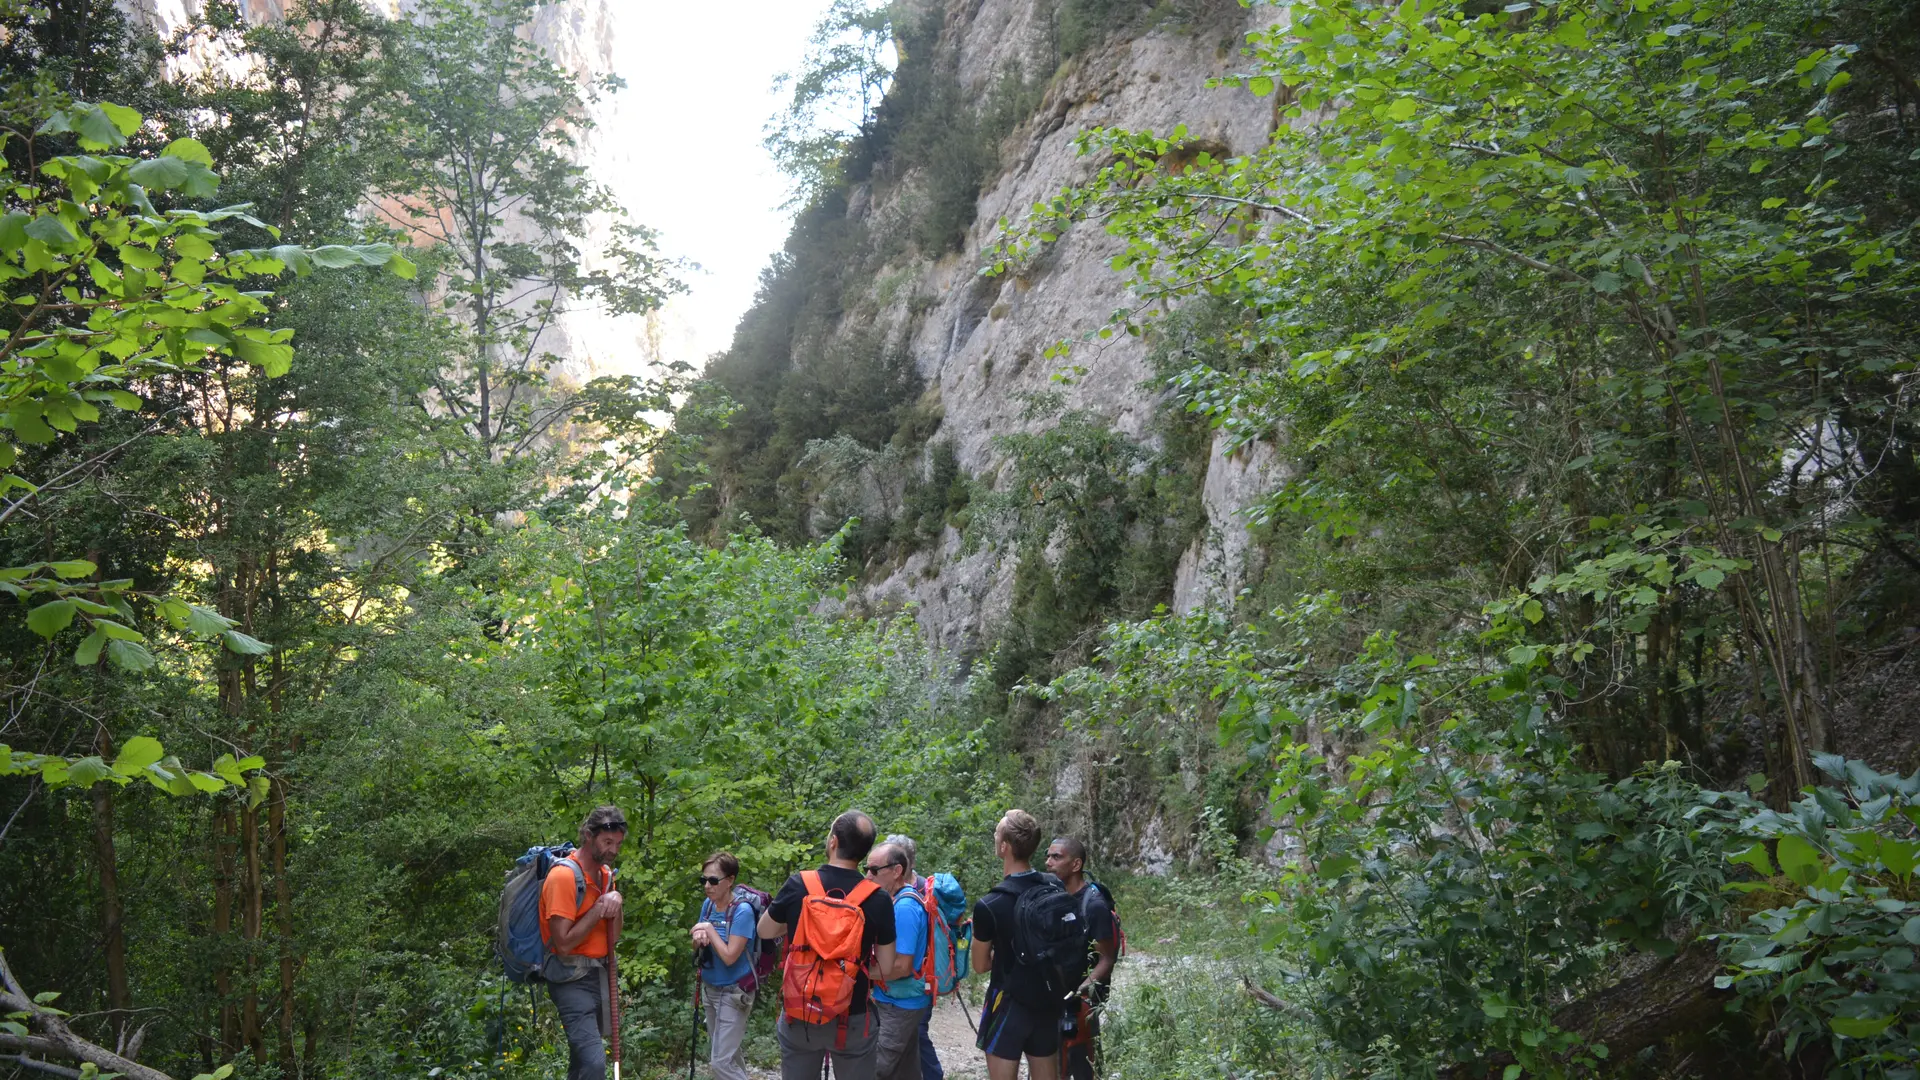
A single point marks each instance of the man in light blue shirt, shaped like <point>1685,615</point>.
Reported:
<point>722,938</point>
<point>902,1000</point>
<point>929,1057</point>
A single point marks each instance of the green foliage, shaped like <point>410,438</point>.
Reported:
<point>835,91</point>
<point>141,758</point>
<point>483,126</point>
<point>1177,1019</point>
<point>1118,514</point>
<point>693,687</point>
<point>1836,964</point>
<point>110,291</point>
<point>935,500</point>
<point>1543,298</point>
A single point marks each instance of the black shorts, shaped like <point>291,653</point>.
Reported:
<point>1009,1029</point>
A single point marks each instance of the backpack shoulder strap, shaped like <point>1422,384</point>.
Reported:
<point>810,880</point>
<point>579,883</point>
<point>859,893</point>
<point>1023,887</point>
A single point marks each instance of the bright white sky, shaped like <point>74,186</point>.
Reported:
<point>682,146</point>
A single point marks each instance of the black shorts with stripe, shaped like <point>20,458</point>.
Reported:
<point>1009,1029</point>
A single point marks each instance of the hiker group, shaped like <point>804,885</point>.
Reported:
<point>865,945</point>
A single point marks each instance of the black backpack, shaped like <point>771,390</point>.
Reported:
<point>1049,943</point>
<point>1113,911</point>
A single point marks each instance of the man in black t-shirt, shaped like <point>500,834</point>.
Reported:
<point>1080,1048</point>
<point>1008,1027</point>
<point>850,1039</point>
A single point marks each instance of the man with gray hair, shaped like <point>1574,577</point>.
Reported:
<point>901,1002</point>
<point>929,1057</point>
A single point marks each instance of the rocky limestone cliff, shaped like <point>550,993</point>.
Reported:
<point>981,342</point>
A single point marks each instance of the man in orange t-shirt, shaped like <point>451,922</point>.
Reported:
<point>579,934</point>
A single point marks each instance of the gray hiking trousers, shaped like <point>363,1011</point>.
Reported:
<point>728,1008</point>
<point>896,1055</point>
<point>586,1014</point>
<point>803,1045</point>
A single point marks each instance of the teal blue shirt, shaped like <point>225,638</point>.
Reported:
<point>910,939</point>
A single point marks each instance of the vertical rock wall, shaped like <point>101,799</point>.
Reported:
<point>982,341</point>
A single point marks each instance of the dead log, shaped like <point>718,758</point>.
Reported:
<point>1672,995</point>
<point>55,1038</point>
<point>42,1066</point>
<point>1654,999</point>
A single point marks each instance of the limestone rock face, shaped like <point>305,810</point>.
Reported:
<point>981,343</point>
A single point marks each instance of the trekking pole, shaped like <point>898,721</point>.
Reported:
<point>613,1001</point>
<point>693,1033</point>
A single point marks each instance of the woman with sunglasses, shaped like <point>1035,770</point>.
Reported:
<point>720,940</point>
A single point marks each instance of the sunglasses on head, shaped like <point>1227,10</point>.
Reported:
<point>707,880</point>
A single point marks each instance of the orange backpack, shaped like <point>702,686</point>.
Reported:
<point>823,954</point>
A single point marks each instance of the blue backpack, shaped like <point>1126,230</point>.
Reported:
<point>517,940</point>
<point>952,933</point>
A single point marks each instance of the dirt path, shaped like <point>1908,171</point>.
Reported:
<point>952,1029</point>
<point>952,1040</point>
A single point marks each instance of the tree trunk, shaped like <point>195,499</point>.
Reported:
<point>250,932</point>
<point>283,921</point>
<point>55,1038</point>
<point>1658,998</point>
<point>223,829</point>
<point>113,938</point>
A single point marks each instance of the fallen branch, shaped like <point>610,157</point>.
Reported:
<point>1653,1001</point>
<point>1266,997</point>
<point>43,1066</point>
<point>56,1039</point>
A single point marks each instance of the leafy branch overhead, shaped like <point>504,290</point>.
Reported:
<point>109,291</point>
<point>141,758</point>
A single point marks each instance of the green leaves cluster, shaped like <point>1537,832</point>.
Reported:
<point>1834,954</point>
<point>1578,308</point>
<point>109,291</point>
<point>141,758</point>
<point>703,691</point>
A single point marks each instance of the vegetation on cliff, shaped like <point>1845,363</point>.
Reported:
<point>1542,741</point>
<point>1584,328</point>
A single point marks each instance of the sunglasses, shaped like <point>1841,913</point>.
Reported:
<point>705,880</point>
<point>872,869</point>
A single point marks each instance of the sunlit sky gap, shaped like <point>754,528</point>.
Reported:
<point>682,146</point>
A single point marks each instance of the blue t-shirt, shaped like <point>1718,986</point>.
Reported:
<point>741,925</point>
<point>910,938</point>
